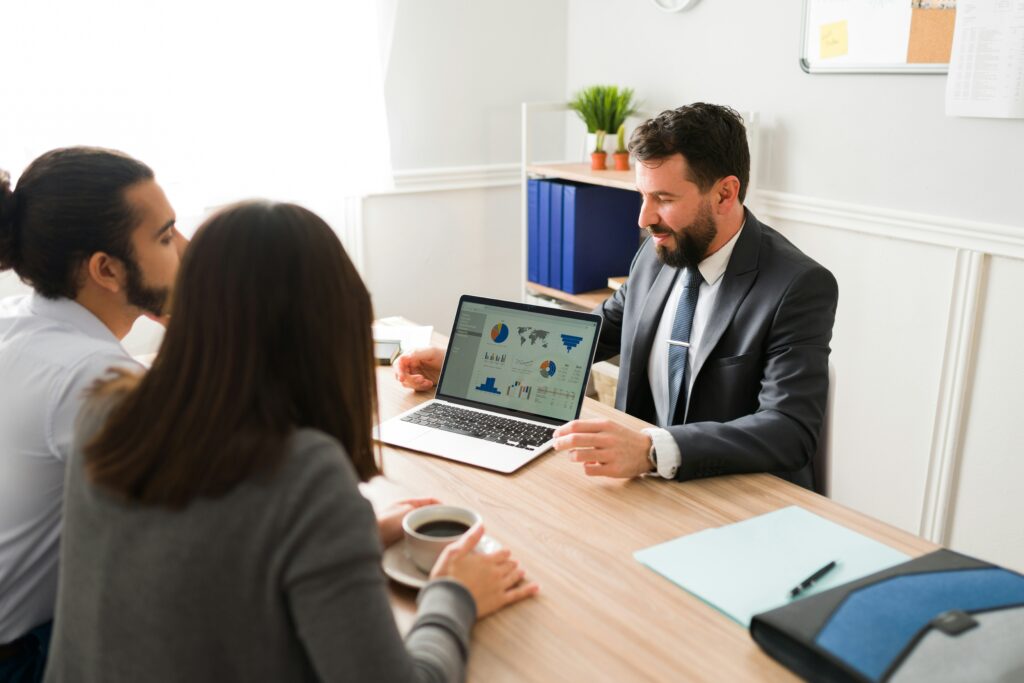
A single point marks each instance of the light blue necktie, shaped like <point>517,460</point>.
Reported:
<point>677,355</point>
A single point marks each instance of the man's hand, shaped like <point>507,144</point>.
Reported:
<point>605,448</point>
<point>419,369</point>
<point>389,521</point>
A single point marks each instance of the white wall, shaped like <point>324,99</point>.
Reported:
<point>457,74</point>
<point>930,380</point>
<point>459,70</point>
<point>878,140</point>
<point>424,250</point>
<point>987,501</point>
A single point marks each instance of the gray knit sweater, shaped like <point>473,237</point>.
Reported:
<point>279,580</point>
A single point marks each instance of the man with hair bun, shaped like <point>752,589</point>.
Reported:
<point>92,233</point>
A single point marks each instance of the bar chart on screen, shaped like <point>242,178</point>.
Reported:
<point>519,390</point>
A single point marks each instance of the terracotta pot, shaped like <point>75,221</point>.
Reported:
<point>598,161</point>
<point>590,145</point>
<point>621,161</point>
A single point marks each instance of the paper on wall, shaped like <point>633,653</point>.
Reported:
<point>986,69</point>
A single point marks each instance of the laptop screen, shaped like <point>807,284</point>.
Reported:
<point>529,361</point>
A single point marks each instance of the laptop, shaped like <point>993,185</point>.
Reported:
<point>512,374</point>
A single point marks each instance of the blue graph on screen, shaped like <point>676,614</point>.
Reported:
<point>571,342</point>
<point>499,333</point>
<point>489,387</point>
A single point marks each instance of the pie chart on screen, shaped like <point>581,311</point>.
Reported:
<point>547,368</point>
<point>499,333</point>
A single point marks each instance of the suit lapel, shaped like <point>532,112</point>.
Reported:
<point>739,276</point>
<point>650,317</point>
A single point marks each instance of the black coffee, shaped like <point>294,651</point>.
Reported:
<point>443,528</point>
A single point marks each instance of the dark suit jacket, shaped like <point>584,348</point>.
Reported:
<point>761,373</point>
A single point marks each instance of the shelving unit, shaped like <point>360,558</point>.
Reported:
<point>581,172</point>
<point>578,172</point>
<point>584,300</point>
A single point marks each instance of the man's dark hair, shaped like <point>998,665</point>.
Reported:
<point>711,137</point>
<point>247,360</point>
<point>69,204</point>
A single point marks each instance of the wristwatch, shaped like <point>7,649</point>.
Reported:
<point>652,457</point>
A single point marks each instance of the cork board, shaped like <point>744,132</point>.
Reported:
<point>931,35</point>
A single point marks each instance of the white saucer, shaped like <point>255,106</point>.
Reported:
<point>400,568</point>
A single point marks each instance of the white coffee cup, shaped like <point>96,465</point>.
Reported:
<point>430,529</point>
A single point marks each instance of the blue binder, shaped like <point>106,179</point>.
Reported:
<point>555,242</point>
<point>599,235</point>
<point>544,233</point>
<point>532,230</point>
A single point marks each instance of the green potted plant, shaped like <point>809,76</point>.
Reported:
<point>621,153</point>
<point>588,104</point>
<point>621,107</point>
<point>603,108</point>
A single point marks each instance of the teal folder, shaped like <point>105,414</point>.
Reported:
<point>749,567</point>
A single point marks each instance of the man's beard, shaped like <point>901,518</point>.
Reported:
<point>148,299</point>
<point>692,242</point>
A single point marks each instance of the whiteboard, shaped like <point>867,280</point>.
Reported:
<point>858,36</point>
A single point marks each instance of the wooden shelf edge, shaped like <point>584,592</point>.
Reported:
<point>622,180</point>
<point>587,300</point>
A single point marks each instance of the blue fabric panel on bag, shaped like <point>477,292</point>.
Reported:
<point>874,624</point>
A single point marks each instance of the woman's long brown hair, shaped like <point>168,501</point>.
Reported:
<point>269,332</point>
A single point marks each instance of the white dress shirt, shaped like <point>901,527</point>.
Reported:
<point>51,351</point>
<point>711,269</point>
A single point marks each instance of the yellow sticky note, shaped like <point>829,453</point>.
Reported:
<point>834,40</point>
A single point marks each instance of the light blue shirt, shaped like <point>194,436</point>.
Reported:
<point>51,351</point>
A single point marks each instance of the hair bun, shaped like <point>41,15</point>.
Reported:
<point>8,235</point>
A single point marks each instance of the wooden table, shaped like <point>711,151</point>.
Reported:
<point>601,615</point>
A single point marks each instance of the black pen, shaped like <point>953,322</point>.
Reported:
<point>812,579</point>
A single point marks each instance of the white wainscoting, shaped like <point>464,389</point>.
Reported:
<point>442,233</point>
<point>456,178</point>
<point>930,375</point>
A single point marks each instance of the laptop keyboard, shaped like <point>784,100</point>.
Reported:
<point>481,425</point>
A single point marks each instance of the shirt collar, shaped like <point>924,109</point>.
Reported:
<point>73,313</point>
<point>713,267</point>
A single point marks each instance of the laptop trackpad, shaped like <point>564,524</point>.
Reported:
<point>439,441</point>
<point>400,432</point>
<point>470,450</point>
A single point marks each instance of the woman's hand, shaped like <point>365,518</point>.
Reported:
<point>389,521</point>
<point>494,580</point>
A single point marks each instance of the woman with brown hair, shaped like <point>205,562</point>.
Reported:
<point>213,525</point>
